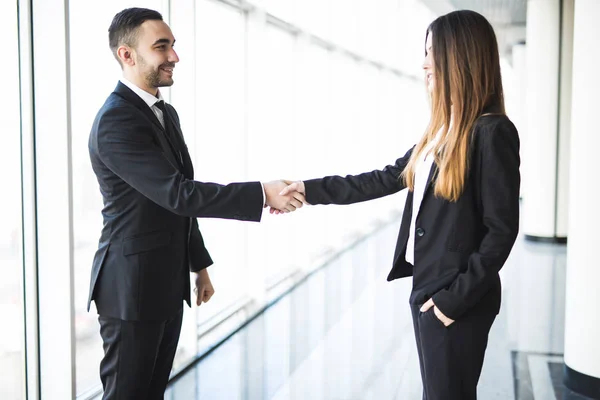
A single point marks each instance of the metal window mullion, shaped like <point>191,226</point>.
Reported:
<point>29,244</point>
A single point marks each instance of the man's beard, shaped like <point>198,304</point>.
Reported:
<point>152,77</point>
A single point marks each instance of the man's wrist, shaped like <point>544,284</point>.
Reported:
<point>264,202</point>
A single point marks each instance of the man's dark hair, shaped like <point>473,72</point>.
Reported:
<point>125,25</point>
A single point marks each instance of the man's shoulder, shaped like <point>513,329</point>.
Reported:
<point>113,110</point>
<point>115,105</point>
<point>114,100</point>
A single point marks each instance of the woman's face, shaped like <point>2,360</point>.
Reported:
<point>428,65</point>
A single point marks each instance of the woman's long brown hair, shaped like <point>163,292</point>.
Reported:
<point>467,82</point>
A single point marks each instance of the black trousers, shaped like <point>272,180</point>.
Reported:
<point>451,358</point>
<point>138,357</point>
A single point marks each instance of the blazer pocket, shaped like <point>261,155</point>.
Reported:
<point>147,242</point>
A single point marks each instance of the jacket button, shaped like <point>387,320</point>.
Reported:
<point>420,232</point>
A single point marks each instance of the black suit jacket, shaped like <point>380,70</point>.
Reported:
<point>150,239</point>
<point>459,246</point>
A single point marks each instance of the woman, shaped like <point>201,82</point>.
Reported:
<point>461,216</point>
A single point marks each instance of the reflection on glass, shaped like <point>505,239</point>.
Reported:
<point>338,335</point>
<point>11,262</point>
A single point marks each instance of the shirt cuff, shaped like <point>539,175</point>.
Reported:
<point>264,195</point>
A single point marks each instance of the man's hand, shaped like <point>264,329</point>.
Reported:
<point>204,288</point>
<point>295,189</point>
<point>283,203</point>
<point>445,320</point>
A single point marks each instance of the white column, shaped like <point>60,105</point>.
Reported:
<point>541,148</point>
<point>582,318</point>
<point>518,111</point>
<point>564,118</point>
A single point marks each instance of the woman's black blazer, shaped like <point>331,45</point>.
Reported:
<point>459,246</point>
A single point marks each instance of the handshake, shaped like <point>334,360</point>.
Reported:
<point>284,196</point>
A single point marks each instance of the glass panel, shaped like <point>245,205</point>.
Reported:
<point>94,74</point>
<point>11,260</point>
<point>283,9</point>
<point>312,109</point>
<point>278,124</point>
<point>220,142</point>
<point>314,16</point>
<point>344,27</point>
<point>343,141</point>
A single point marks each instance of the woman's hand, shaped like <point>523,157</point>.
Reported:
<point>445,320</point>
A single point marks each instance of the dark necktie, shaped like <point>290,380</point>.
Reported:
<point>169,134</point>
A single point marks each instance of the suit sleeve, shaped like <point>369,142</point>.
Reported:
<point>357,188</point>
<point>499,181</point>
<point>126,146</point>
<point>199,257</point>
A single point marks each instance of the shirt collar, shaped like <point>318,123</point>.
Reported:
<point>147,97</point>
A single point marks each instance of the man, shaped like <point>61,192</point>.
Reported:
<point>150,239</point>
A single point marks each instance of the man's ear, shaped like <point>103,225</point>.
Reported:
<point>125,54</point>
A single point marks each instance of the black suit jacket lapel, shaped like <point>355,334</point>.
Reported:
<point>126,93</point>
<point>179,145</point>
<point>430,179</point>
<point>407,215</point>
<point>428,186</point>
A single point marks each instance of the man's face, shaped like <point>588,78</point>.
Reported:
<point>155,56</point>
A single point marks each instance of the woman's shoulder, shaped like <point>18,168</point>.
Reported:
<point>491,119</point>
<point>489,123</point>
<point>490,128</point>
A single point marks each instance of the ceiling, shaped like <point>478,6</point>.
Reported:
<point>508,17</point>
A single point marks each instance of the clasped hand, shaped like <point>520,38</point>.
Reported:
<point>284,196</point>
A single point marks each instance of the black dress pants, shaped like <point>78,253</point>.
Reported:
<point>138,356</point>
<point>451,358</point>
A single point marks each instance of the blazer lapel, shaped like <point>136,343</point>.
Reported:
<point>428,186</point>
<point>430,179</point>
<point>167,147</point>
<point>126,93</point>
<point>179,145</point>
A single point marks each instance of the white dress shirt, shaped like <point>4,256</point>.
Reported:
<point>422,171</point>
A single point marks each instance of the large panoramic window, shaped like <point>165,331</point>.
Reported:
<point>11,259</point>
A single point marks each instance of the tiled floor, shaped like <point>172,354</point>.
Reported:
<point>346,334</point>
